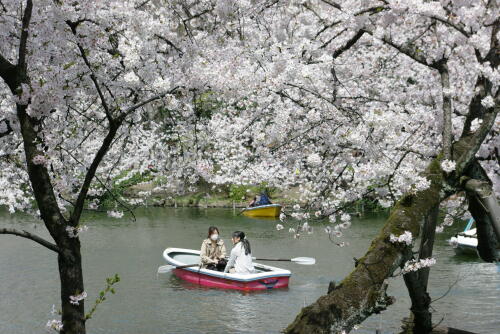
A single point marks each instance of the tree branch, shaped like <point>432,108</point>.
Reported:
<point>333,4</point>
<point>6,67</point>
<point>24,35</point>
<point>9,128</point>
<point>406,50</point>
<point>82,195</point>
<point>170,44</point>
<point>27,235</point>
<point>349,44</point>
<point>73,26</point>
<point>473,145</point>
<point>447,110</point>
<point>457,27</point>
<point>131,109</point>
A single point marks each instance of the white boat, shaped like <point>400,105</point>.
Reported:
<point>465,242</point>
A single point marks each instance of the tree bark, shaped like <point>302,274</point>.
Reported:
<point>427,243</point>
<point>71,277</point>
<point>416,282</point>
<point>484,209</point>
<point>447,109</point>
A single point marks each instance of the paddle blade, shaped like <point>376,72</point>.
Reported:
<point>308,261</point>
<point>165,269</point>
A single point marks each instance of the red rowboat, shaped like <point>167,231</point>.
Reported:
<point>265,277</point>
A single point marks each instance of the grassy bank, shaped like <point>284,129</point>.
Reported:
<point>237,197</point>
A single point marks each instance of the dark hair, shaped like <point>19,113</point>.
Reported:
<point>245,242</point>
<point>211,230</point>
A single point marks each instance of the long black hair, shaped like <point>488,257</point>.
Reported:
<point>245,242</point>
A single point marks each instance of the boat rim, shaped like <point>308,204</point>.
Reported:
<point>274,271</point>
<point>263,207</point>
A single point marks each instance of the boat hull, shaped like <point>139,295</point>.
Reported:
<point>265,277</point>
<point>222,283</point>
<point>465,242</point>
<point>271,210</point>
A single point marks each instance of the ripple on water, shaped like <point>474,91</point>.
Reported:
<point>151,303</point>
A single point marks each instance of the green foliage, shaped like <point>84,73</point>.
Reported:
<point>237,192</point>
<point>108,199</point>
<point>110,281</point>
<point>241,192</point>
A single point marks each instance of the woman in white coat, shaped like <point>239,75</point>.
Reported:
<point>240,260</point>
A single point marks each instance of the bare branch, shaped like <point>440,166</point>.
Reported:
<point>371,10</point>
<point>142,4</point>
<point>27,235</point>
<point>131,109</point>
<point>170,44</point>
<point>406,50</point>
<point>73,26</point>
<point>82,195</point>
<point>333,4</point>
<point>349,44</point>
<point>457,27</point>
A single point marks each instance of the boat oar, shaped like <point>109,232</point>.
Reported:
<point>169,267</point>
<point>307,261</point>
<point>239,213</point>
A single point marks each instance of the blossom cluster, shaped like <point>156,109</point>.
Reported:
<point>414,265</point>
<point>115,214</point>
<point>448,166</point>
<point>75,300</point>
<point>406,238</point>
<point>54,324</point>
<point>74,232</point>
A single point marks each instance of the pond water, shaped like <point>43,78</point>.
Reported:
<point>147,302</point>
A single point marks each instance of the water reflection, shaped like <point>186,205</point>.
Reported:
<point>147,302</point>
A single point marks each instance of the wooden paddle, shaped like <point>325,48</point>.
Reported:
<point>307,261</point>
<point>169,267</point>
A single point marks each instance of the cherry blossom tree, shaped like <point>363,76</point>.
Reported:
<point>396,100</point>
<point>82,82</point>
<point>392,100</point>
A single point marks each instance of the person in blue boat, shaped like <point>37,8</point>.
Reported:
<point>213,251</point>
<point>240,260</point>
<point>264,199</point>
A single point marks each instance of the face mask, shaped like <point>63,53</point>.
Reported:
<point>214,237</point>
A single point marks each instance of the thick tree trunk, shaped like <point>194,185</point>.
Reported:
<point>420,302</point>
<point>427,243</point>
<point>416,282</point>
<point>71,276</point>
<point>362,293</point>
<point>484,209</point>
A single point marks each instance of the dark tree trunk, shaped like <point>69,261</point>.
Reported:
<point>478,189</point>
<point>416,282</point>
<point>71,276</point>
<point>420,302</point>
